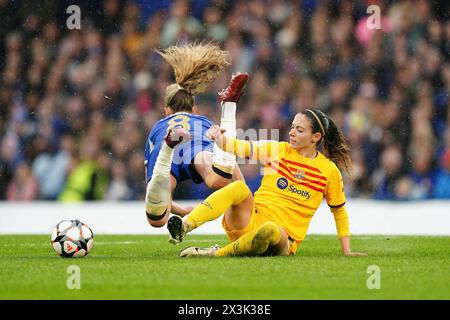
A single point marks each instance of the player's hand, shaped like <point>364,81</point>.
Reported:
<point>188,209</point>
<point>179,210</point>
<point>215,133</point>
<point>354,254</point>
<point>184,211</point>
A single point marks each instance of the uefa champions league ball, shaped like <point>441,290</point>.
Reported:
<point>72,238</point>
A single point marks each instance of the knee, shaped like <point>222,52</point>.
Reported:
<point>217,182</point>
<point>240,185</point>
<point>157,224</point>
<point>270,227</point>
<point>241,190</point>
<point>269,231</point>
<point>157,221</point>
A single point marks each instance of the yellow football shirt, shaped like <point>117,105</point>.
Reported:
<point>293,186</point>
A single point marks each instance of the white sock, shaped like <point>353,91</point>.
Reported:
<point>158,195</point>
<point>222,160</point>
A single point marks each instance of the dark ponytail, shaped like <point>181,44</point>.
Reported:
<point>335,146</point>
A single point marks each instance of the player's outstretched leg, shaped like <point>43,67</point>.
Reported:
<point>199,252</point>
<point>234,195</point>
<point>158,195</point>
<point>224,162</point>
<point>258,242</point>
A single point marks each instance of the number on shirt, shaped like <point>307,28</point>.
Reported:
<point>179,121</point>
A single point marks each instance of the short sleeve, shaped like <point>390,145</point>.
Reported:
<point>334,193</point>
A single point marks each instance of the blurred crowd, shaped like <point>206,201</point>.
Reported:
<point>76,106</point>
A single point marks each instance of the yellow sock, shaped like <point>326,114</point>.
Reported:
<point>253,243</point>
<point>217,203</point>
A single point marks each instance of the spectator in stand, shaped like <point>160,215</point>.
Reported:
<point>386,176</point>
<point>24,186</point>
<point>441,188</point>
<point>104,83</point>
<point>88,180</point>
<point>422,174</point>
<point>51,167</point>
<point>118,188</point>
<point>180,27</point>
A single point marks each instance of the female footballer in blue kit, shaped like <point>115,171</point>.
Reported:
<point>169,159</point>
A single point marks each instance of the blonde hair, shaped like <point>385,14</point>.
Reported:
<point>195,67</point>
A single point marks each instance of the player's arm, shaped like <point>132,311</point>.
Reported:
<point>179,210</point>
<point>335,197</point>
<point>343,230</point>
<point>244,149</point>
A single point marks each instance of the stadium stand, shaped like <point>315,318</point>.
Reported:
<point>84,100</point>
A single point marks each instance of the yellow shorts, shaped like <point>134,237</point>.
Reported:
<point>257,218</point>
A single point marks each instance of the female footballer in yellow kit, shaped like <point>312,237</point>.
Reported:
<point>296,179</point>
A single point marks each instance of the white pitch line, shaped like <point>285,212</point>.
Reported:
<point>116,242</point>
<point>46,244</point>
<point>201,240</point>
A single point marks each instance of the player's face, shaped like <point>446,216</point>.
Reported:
<point>300,135</point>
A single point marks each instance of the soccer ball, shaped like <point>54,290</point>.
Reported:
<point>72,238</point>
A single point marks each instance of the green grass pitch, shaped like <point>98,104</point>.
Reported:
<point>148,267</point>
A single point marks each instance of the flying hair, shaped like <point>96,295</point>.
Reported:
<point>195,67</point>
